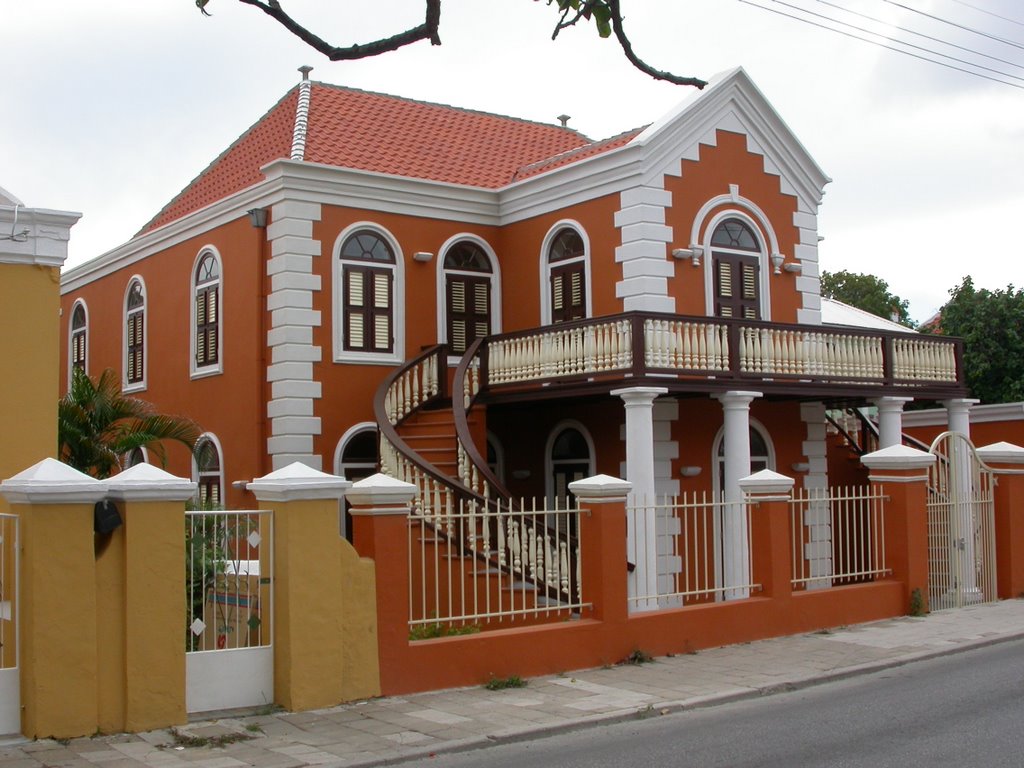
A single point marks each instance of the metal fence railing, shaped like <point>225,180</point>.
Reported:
<point>472,565</point>
<point>838,536</point>
<point>689,549</point>
<point>228,579</point>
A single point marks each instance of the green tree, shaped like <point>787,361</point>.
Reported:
<point>98,425</point>
<point>865,292</point>
<point>991,323</point>
<point>606,15</point>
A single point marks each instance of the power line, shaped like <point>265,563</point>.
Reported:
<point>988,12</point>
<point>955,24</point>
<point>881,45</point>
<point>918,34</point>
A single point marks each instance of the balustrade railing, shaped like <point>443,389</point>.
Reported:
<point>640,344</point>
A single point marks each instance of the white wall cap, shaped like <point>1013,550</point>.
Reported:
<point>898,457</point>
<point>52,482</point>
<point>600,487</point>
<point>297,482</point>
<point>1001,453</point>
<point>381,490</point>
<point>766,483</point>
<point>144,482</point>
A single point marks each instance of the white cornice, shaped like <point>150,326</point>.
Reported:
<point>35,235</point>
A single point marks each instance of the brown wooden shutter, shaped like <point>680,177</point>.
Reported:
<point>736,286</point>
<point>367,309</point>
<point>568,293</point>
<point>468,309</point>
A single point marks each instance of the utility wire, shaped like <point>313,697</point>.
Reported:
<point>919,34</point>
<point>989,13</point>
<point>955,24</point>
<point>881,45</point>
<point>899,42</point>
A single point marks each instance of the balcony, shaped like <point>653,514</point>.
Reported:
<point>705,354</point>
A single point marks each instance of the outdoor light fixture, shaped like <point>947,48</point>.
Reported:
<point>258,217</point>
<point>693,253</point>
<point>520,474</point>
<point>689,471</point>
<point>422,256</point>
<point>801,466</point>
<point>793,266</point>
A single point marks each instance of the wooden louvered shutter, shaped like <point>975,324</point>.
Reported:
<point>736,286</point>
<point>568,293</point>
<point>469,310</point>
<point>135,351</point>
<point>207,326</point>
<point>368,309</point>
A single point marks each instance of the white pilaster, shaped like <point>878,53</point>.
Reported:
<point>291,368</point>
<point>890,420</point>
<point>735,537</point>
<point>643,253</point>
<point>642,540</point>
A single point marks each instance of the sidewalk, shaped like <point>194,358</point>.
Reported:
<point>387,729</point>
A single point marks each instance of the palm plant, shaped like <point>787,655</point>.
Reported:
<point>98,425</point>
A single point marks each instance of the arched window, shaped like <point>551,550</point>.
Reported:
<point>206,314</point>
<point>762,454</point>
<point>79,338</point>
<point>736,264</point>
<point>359,456</point>
<point>367,267</point>
<point>135,456</point>
<point>468,287</point>
<point>208,473</point>
<point>567,276</point>
<point>135,335</point>
<point>570,458</point>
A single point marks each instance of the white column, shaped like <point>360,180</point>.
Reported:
<point>890,420</point>
<point>641,531</point>
<point>958,414</point>
<point>735,537</point>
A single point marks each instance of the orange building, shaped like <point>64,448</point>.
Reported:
<point>504,305</point>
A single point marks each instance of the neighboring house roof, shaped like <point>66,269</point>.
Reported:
<point>350,128</point>
<point>837,313</point>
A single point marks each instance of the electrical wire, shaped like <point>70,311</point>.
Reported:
<point>988,12</point>
<point>955,24</point>
<point>880,44</point>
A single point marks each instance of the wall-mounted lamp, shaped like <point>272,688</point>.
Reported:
<point>422,256</point>
<point>693,253</point>
<point>689,471</point>
<point>520,474</point>
<point>258,217</point>
<point>794,266</point>
<point>801,466</point>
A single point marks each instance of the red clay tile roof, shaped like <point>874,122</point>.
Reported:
<point>369,131</point>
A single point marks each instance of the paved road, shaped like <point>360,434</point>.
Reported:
<point>962,710</point>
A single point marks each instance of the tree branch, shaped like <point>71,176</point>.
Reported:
<point>636,61</point>
<point>428,30</point>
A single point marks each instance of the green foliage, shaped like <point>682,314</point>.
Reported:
<point>97,425</point>
<point>437,629</point>
<point>991,323</point>
<point>916,607</point>
<point>206,556</point>
<point>501,683</point>
<point>865,292</point>
<point>600,11</point>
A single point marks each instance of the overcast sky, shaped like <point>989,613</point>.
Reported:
<point>112,107</point>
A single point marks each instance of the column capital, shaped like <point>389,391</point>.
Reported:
<point>891,402</point>
<point>737,398</point>
<point>639,395</point>
<point>960,402</point>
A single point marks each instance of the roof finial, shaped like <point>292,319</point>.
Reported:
<point>305,69</point>
<point>564,120</point>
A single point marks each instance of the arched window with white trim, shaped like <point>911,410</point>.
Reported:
<point>356,457</point>
<point>569,457</point>
<point>135,335</point>
<point>468,295</point>
<point>736,265</point>
<point>208,472</point>
<point>207,310</point>
<point>567,279</point>
<point>762,453</point>
<point>368,297</point>
<point>78,339</point>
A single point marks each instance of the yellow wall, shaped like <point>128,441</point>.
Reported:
<point>29,307</point>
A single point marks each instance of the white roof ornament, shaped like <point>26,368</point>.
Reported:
<point>301,115</point>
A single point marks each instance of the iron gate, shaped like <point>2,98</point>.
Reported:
<point>961,526</point>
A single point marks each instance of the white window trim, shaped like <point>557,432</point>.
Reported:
<point>341,355</point>
<point>717,461</point>
<point>549,467</point>
<point>545,268</point>
<point>88,344</point>
<point>197,372</point>
<point>220,463</point>
<point>442,285</point>
<point>138,386</point>
<point>747,211</point>
<point>350,433</point>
